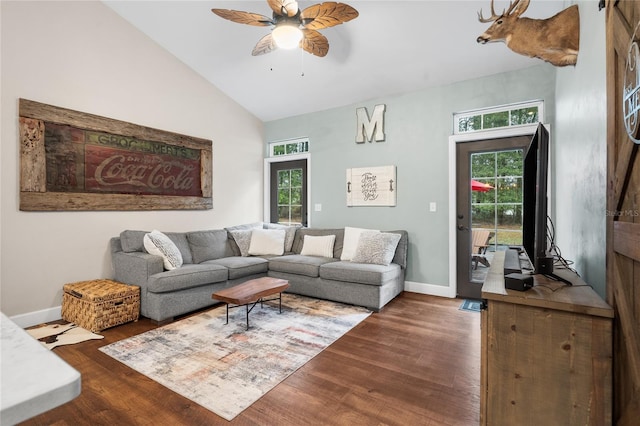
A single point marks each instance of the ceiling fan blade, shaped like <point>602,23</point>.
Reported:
<point>284,7</point>
<point>314,43</point>
<point>265,45</point>
<point>327,14</point>
<point>244,17</point>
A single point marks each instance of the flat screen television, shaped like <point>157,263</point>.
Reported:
<point>534,202</point>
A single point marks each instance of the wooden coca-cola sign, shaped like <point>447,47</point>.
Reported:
<point>71,160</point>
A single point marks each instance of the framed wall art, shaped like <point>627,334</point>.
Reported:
<point>371,186</point>
<point>71,160</point>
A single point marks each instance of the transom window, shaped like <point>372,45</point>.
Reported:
<point>288,147</point>
<point>498,117</point>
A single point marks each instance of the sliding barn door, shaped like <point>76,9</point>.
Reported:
<point>623,203</point>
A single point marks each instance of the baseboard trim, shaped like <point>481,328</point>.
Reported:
<point>53,314</point>
<point>38,317</point>
<point>431,289</point>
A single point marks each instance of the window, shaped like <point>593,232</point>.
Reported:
<point>290,196</point>
<point>498,117</point>
<point>288,147</point>
<point>500,208</point>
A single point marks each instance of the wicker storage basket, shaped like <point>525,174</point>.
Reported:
<point>99,304</point>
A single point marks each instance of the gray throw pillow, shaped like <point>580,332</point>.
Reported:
<point>376,247</point>
<point>132,240</point>
<point>243,240</point>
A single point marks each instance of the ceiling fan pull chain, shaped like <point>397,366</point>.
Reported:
<point>301,63</point>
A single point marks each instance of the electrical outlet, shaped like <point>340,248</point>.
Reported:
<point>318,207</point>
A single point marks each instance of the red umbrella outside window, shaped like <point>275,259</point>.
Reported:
<point>479,186</point>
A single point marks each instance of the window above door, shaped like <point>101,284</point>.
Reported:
<point>288,147</point>
<point>499,117</point>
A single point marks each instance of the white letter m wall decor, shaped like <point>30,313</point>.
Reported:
<point>368,129</point>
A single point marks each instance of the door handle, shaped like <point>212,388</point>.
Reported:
<point>462,228</point>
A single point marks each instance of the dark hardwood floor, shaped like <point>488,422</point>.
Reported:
<point>416,362</point>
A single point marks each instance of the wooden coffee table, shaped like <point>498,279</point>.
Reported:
<point>250,293</point>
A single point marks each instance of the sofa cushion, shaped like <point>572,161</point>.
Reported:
<point>241,266</point>
<point>266,242</point>
<point>401,251</point>
<point>298,241</point>
<point>132,240</point>
<point>253,225</point>
<point>180,239</point>
<point>321,246</point>
<point>351,237</point>
<point>376,247</point>
<point>209,245</point>
<point>158,244</point>
<point>363,273</point>
<point>299,264</point>
<point>187,276</point>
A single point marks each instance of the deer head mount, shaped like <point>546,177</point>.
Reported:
<point>555,40</point>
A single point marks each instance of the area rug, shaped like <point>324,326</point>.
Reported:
<point>54,335</point>
<point>226,368</point>
<point>470,305</point>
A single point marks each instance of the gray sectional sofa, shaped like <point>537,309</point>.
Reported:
<point>217,259</point>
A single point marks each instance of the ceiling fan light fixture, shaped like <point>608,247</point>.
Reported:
<point>287,36</point>
<point>292,27</point>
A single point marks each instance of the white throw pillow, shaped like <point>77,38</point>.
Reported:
<point>157,243</point>
<point>267,242</point>
<point>351,237</point>
<point>289,235</point>
<point>318,245</point>
<point>376,247</point>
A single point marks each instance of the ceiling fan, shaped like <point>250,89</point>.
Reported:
<point>291,27</point>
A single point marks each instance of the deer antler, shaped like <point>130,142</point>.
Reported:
<point>518,7</point>
<point>493,16</point>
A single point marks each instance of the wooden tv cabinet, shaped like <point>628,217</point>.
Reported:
<point>546,353</point>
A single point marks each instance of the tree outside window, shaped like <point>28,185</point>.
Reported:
<point>499,209</point>
<point>290,196</point>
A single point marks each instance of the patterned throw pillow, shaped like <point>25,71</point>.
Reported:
<point>376,247</point>
<point>351,238</point>
<point>157,243</point>
<point>318,246</point>
<point>242,237</point>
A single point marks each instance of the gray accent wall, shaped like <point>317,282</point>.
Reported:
<point>581,152</point>
<point>417,127</point>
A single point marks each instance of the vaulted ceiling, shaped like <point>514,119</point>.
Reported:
<point>393,47</point>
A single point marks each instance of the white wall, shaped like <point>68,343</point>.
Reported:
<point>580,143</point>
<point>83,56</point>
